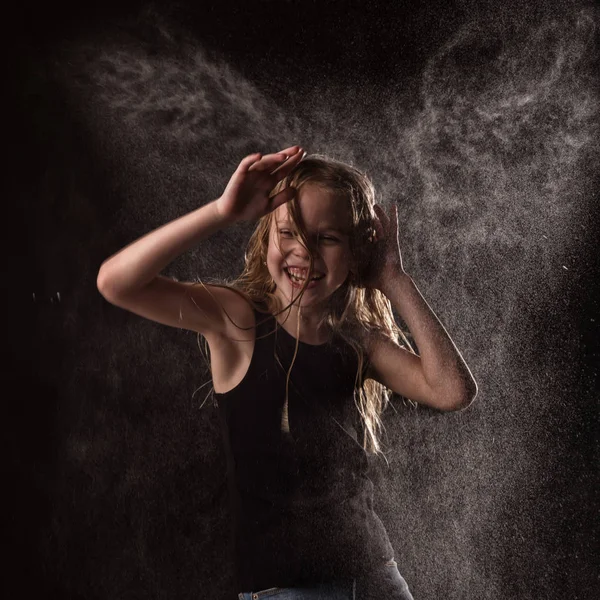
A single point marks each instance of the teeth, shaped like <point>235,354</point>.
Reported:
<point>296,278</point>
<point>295,275</point>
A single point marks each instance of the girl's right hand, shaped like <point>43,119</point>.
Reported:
<point>247,195</point>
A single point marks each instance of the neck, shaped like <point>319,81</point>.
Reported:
<point>309,322</point>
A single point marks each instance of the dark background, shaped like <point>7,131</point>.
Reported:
<point>480,121</point>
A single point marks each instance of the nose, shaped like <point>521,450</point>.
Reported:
<point>304,253</point>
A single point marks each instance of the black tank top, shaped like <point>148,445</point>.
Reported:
<point>301,501</point>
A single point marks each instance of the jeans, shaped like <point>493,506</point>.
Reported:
<point>385,583</point>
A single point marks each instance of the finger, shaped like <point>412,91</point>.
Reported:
<point>249,160</point>
<point>286,153</point>
<point>394,217</point>
<point>396,223</point>
<point>379,220</point>
<point>383,224</point>
<point>282,197</point>
<point>291,150</point>
<point>284,169</point>
<point>383,215</point>
<point>379,212</point>
<point>269,162</point>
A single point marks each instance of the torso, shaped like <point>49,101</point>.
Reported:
<point>231,353</point>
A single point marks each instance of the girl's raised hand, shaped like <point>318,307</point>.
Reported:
<point>247,196</point>
<point>387,258</point>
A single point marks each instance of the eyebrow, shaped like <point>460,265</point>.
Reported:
<point>324,228</point>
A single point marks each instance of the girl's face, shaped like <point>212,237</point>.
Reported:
<point>327,222</point>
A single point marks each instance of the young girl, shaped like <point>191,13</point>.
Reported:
<point>304,351</point>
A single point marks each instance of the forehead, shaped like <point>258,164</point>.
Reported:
<point>320,209</point>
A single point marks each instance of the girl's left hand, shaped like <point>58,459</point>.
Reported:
<point>387,260</point>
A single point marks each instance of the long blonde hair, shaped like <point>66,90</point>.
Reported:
<point>352,310</point>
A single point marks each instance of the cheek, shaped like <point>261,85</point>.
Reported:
<point>272,250</point>
<point>274,262</point>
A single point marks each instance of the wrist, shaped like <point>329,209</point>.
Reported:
<point>223,219</point>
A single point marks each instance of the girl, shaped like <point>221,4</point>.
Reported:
<point>304,351</point>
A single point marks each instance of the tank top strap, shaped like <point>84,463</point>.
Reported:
<point>265,340</point>
<point>265,323</point>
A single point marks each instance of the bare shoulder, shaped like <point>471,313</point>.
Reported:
<point>239,321</point>
<point>377,347</point>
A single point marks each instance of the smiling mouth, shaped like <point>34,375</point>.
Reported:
<point>301,280</point>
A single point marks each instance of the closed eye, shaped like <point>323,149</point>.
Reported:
<point>324,237</point>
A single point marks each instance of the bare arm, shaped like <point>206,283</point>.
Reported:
<point>245,198</point>
<point>130,279</point>
<point>137,264</point>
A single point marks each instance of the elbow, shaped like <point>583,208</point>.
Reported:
<point>102,283</point>
<point>106,286</point>
<point>466,397</point>
<point>462,398</point>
